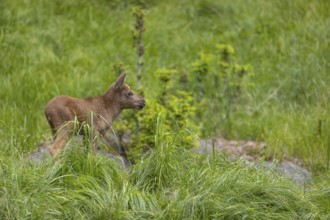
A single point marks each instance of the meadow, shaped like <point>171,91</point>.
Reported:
<point>50,48</point>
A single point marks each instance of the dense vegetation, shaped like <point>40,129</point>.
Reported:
<point>251,69</point>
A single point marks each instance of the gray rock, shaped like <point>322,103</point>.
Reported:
<point>251,151</point>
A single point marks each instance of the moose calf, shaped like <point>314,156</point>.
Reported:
<point>99,111</point>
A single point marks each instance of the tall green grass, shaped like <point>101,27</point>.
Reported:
<point>168,183</point>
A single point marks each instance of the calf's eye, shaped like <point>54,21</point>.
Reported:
<point>129,94</point>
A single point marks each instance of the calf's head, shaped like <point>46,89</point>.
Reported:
<point>124,96</point>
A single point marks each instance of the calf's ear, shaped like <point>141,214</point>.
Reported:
<point>120,81</point>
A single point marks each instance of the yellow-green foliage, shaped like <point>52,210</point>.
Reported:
<point>143,124</point>
<point>178,110</point>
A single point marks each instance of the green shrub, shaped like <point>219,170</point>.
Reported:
<point>177,109</point>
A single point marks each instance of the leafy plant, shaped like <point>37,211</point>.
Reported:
<point>220,83</point>
<point>177,109</point>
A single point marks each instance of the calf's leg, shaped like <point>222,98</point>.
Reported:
<point>62,136</point>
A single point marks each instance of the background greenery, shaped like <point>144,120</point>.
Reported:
<point>49,48</point>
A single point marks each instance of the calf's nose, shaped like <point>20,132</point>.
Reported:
<point>143,103</point>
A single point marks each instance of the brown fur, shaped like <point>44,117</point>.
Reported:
<point>61,111</point>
